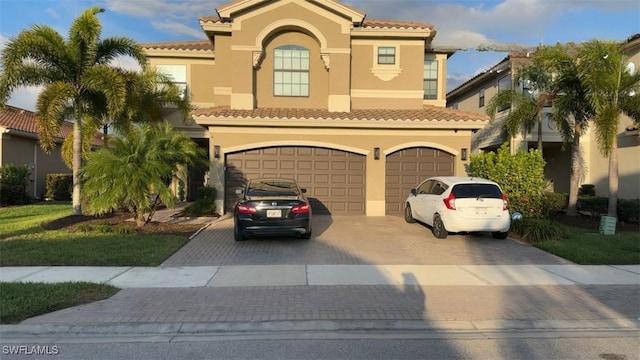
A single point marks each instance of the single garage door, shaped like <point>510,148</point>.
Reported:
<point>334,179</point>
<point>407,168</point>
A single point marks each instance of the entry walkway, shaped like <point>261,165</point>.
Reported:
<point>323,275</point>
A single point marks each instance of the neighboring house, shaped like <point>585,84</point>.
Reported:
<point>475,94</point>
<point>353,108</point>
<point>19,146</point>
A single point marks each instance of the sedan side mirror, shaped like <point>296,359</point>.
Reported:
<point>304,191</point>
<point>414,192</point>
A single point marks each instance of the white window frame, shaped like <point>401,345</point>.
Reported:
<point>291,74</point>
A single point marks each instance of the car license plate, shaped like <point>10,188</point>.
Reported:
<point>274,213</point>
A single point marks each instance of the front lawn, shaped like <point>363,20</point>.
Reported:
<point>588,247</point>
<point>24,241</point>
<point>21,301</point>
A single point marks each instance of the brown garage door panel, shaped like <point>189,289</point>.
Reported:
<point>406,168</point>
<point>334,179</point>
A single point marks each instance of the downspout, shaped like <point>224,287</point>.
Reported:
<point>35,170</point>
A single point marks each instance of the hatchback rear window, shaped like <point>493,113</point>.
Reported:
<point>476,191</point>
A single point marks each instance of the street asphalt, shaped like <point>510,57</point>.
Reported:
<point>356,273</point>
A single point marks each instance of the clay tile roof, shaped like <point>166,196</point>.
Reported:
<point>14,118</point>
<point>213,19</point>
<point>199,45</point>
<point>395,24</point>
<point>427,113</point>
<point>24,121</point>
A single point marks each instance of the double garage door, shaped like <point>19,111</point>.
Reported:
<point>334,179</point>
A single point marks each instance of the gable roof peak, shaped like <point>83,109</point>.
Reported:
<point>228,10</point>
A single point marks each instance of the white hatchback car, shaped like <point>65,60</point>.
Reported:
<point>459,204</point>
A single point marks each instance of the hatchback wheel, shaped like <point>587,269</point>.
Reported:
<point>438,228</point>
<point>408,214</point>
<point>500,235</point>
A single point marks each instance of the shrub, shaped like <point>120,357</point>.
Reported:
<point>520,175</point>
<point>537,230</point>
<point>105,228</point>
<point>13,185</point>
<point>206,193</point>
<point>587,190</point>
<point>205,204</point>
<point>59,186</point>
<point>629,210</point>
<point>594,205</point>
<point>555,202</point>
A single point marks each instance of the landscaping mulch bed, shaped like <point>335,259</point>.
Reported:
<point>71,222</point>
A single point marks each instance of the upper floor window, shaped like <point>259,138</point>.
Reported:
<point>386,55</point>
<point>430,79</point>
<point>481,98</point>
<point>291,71</point>
<point>504,83</point>
<point>177,73</point>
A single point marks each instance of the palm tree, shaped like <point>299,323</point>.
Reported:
<point>148,94</point>
<point>571,111</point>
<point>76,75</point>
<point>611,90</point>
<point>146,160</point>
<point>527,107</point>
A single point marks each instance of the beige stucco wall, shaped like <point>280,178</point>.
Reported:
<point>200,77</point>
<point>233,139</point>
<point>318,75</point>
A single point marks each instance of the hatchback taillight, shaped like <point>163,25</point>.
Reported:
<point>246,209</point>
<point>504,203</point>
<point>450,202</point>
<point>300,209</point>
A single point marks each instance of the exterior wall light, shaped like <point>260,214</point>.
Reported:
<point>376,153</point>
<point>463,154</point>
<point>216,151</point>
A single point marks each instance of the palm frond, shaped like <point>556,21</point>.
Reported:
<point>50,111</point>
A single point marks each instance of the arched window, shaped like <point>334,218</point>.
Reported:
<point>291,71</point>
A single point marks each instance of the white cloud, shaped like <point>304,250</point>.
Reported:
<point>126,63</point>
<point>53,13</point>
<point>164,9</point>
<point>177,28</point>
<point>25,97</point>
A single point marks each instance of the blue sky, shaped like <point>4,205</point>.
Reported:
<point>462,24</point>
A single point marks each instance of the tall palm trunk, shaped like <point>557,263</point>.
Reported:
<point>613,179</point>
<point>574,184</point>
<point>77,162</point>
<point>540,114</point>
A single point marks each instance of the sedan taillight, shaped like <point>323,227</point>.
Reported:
<point>246,209</point>
<point>450,202</point>
<point>504,203</point>
<point>300,209</point>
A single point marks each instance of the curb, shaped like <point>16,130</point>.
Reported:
<point>176,329</point>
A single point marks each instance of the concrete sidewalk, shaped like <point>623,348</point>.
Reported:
<point>327,275</point>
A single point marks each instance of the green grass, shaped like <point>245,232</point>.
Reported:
<point>588,247</point>
<point>23,220</point>
<point>23,242</point>
<point>21,301</point>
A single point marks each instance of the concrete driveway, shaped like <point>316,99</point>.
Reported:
<point>356,240</point>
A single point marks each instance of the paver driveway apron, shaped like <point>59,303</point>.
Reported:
<point>356,240</point>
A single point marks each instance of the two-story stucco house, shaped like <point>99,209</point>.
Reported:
<point>353,108</point>
<point>475,94</point>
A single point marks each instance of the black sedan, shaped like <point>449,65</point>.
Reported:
<point>272,207</point>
